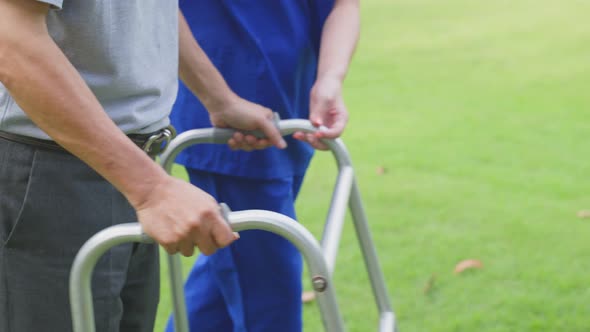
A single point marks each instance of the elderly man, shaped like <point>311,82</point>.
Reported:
<point>85,85</point>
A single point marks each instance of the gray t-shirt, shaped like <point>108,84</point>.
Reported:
<point>126,51</point>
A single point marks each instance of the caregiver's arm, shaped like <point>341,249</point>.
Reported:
<point>226,109</point>
<point>339,39</point>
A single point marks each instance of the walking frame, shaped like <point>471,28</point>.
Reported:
<point>320,259</point>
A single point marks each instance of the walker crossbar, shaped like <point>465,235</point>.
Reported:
<point>345,191</point>
<point>93,249</point>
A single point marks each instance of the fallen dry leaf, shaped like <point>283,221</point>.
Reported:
<point>381,170</point>
<point>584,214</point>
<point>468,264</point>
<point>307,296</point>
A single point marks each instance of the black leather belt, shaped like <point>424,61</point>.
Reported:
<point>153,143</point>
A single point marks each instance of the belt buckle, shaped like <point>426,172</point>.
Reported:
<point>158,142</point>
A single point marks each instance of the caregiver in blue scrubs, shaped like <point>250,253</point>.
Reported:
<point>290,56</point>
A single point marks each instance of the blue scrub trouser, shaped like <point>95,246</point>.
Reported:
<point>255,284</point>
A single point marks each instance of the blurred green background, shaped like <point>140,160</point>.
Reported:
<point>470,135</point>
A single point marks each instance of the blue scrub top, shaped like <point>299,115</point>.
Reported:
<point>267,51</point>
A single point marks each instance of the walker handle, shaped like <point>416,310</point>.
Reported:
<point>276,118</point>
<point>225,211</point>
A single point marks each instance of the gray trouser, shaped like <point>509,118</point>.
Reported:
<point>50,204</point>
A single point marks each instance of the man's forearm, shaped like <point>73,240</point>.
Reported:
<point>49,89</point>
<point>196,70</point>
<point>339,38</point>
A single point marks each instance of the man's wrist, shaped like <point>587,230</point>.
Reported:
<point>138,193</point>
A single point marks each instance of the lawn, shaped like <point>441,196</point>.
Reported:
<point>479,114</point>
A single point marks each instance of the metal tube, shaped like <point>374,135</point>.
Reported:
<point>378,285</point>
<point>340,152</point>
<point>387,321</point>
<point>221,136</point>
<point>344,189</point>
<point>335,218</point>
<point>336,213</point>
<point>80,288</point>
<point>309,248</point>
<point>86,259</point>
<point>176,286</point>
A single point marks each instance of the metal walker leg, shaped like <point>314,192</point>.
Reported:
<point>321,261</point>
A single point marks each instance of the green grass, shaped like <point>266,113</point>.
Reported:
<point>479,111</point>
